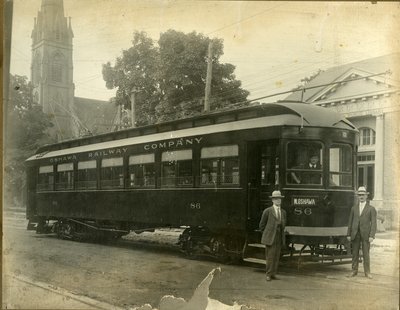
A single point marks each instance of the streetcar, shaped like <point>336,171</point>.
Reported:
<point>210,175</point>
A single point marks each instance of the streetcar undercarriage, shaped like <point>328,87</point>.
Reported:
<point>198,241</point>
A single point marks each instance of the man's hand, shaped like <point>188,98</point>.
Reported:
<point>370,239</point>
<point>348,238</point>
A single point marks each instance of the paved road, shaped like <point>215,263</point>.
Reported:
<point>128,275</point>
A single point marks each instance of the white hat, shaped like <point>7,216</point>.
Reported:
<point>276,194</point>
<point>362,191</point>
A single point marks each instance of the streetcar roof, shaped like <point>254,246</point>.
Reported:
<point>268,115</point>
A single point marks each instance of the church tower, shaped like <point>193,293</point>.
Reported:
<point>52,67</point>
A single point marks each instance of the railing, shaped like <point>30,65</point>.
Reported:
<point>114,183</point>
<point>184,181</point>
<point>86,184</point>
<point>44,187</point>
<point>148,182</point>
<point>64,185</point>
<point>218,180</point>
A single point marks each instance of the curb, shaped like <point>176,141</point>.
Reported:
<point>64,293</point>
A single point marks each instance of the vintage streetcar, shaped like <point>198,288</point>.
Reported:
<point>211,175</point>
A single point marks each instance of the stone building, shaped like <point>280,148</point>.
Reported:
<point>367,93</point>
<point>52,77</point>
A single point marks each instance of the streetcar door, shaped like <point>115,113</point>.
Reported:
<point>261,156</point>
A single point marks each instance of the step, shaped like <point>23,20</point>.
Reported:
<point>256,245</point>
<point>255,260</point>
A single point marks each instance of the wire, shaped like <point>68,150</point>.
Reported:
<point>321,85</point>
<point>246,18</point>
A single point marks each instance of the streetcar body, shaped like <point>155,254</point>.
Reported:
<point>212,174</point>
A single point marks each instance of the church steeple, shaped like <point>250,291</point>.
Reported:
<point>52,67</point>
<point>51,23</point>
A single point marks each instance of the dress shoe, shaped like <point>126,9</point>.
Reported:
<point>268,278</point>
<point>274,277</point>
<point>353,274</point>
<point>368,275</point>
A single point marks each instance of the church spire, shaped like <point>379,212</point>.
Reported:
<point>52,65</point>
<point>55,3</point>
<point>51,24</point>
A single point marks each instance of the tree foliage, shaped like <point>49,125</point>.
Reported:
<point>170,76</point>
<point>26,130</point>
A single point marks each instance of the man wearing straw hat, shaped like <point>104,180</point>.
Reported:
<point>272,225</point>
<point>361,231</point>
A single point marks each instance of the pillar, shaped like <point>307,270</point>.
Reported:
<point>379,132</point>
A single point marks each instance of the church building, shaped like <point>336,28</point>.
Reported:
<point>52,78</point>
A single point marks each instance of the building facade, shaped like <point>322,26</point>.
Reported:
<point>368,94</point>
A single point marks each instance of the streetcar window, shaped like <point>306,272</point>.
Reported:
<point>267,161</point>
<point>304,163</point>
<point>65,176</point>
<point>340,165</point>
<point>176,168</point>
<point>87,175</point>
<point>45,178</point>
<point>141,171</point>
<point>219,165</point>
<point>112,175</point>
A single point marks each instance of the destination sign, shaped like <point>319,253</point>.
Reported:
<point>304,201</point>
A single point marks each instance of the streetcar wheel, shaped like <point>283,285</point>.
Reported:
<point>217,246</point>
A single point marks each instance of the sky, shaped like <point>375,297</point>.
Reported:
<point>273,45</point>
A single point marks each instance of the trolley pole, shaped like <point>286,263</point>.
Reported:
<point>208,79</point>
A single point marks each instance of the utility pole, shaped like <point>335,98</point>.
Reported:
<point>133,106</point>
<point>208,79</point>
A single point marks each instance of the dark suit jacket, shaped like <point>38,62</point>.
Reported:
<point>311,176</point>
<point>268,225</point>
<point>366,221</point>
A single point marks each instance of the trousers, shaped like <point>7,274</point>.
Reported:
<point>273,253</point>
<point>355,245</point>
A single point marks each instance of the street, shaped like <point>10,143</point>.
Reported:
<point>129,274</point>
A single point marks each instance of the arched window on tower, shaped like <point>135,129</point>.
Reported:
<point>57,68</point>
<point>367,136</point>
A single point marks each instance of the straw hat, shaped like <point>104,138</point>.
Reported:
<point>276,194</point>
<point>362,191</point>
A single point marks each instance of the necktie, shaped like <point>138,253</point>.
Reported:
<point>279,213</point>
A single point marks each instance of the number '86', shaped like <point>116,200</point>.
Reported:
<point>195,205</point>
<point>305,211</point>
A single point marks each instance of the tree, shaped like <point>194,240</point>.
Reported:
<point>135,70</point>
<point>27,126</point>
<point>171,77</point>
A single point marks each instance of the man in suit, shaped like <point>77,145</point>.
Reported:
<point>361,231</point>
<point>313,176</point>
<point>272,225</point>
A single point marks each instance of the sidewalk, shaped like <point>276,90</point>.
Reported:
<point>387,238</point>
<point>22,293</point>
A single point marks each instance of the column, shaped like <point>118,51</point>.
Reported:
<point>379,132</point>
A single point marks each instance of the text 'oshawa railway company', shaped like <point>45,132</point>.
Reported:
<point>211,174</point>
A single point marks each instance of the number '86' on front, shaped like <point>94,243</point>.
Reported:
<point>301,211</point>
<point>195,205</point>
